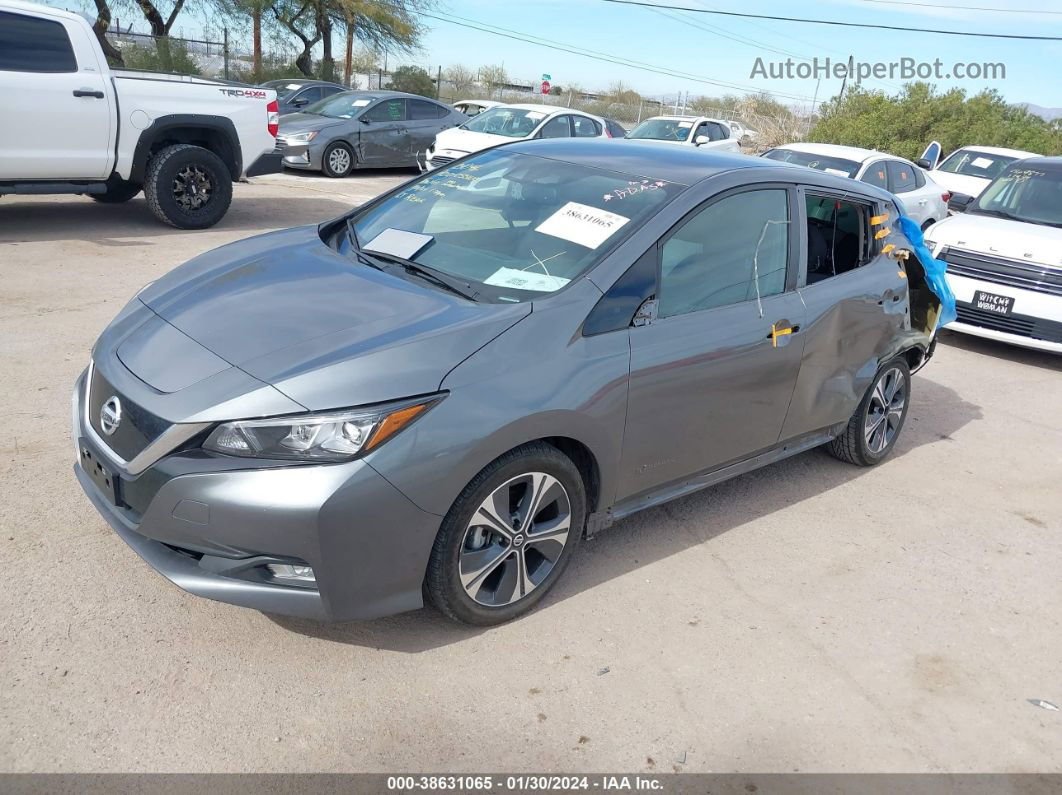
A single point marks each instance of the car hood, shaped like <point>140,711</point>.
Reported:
<point>325,331</point>
<point>960,183</point>
<point>305,122</point>
<point>1000,237</point>
<point>465,141</point>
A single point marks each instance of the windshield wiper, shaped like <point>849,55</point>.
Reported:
<point>463,289</point>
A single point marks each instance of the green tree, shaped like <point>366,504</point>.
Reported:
<point>180,61</point>
<point>413,80</point>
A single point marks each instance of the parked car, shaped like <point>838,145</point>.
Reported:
<point>474,107</point>
<point>921,198</point>
<point>614,129</point>
<point>745,135</point>
<point>507,123</point>
<point>969,169</point>
<point>362,129</point>
<point>85,128</point>
<point>441,391</point>
<point>294,95</point>
<point>698,131</point>
<point>1004,256</point>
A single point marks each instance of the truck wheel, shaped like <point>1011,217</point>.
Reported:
<point>874,428</point>
<point>337,160</point>
<point>117,192</point>
<point>188,186</point>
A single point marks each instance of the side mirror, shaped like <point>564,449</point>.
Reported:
<point>923,163</point>
<point>299,103</point>
<point>959,202</point>
<point>702,139</point>
<point>363,120</point>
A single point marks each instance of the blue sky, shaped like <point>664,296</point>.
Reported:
<point>702,48</point>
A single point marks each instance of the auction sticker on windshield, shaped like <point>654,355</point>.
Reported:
<point>580,223</point>
<point>525,280</point>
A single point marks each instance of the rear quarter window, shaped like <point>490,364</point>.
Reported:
<point>31,44</point>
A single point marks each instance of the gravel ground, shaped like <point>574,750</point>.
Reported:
<point>810,616</point>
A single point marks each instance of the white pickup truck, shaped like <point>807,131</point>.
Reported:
<point>76,126</point>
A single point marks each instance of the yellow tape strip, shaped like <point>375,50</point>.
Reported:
<point>887,248</point>
<point>879,219</point>
<point>882,233</point>
<point>778,332</point>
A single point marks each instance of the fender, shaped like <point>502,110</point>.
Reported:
<point>183,128</point>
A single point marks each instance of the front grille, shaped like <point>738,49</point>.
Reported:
<point>441,160</point>
<point>1021,325</point>
<point>1000,270</point>
<point>138,427</point>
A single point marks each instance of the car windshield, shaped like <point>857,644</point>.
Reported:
<point>831,165</point>
<point>510,122</point>
<point>513,226</point>
<point>339,106</point>
<point>662,130</point>
<point>1022,193</point>
<point>973,163</point>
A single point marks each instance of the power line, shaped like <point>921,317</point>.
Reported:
<point>964,8</point>
<point>585,53</point>
<point>835,22</point>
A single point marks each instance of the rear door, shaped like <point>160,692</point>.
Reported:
<point>384,135</point>
<point>426,120</point>
<point>904,183</point>
<point>59,120</point>
<point>712,375</point>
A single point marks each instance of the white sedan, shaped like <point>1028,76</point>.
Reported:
<point>474,107</point>
<point>699,131</point>
<point>505,123</point>
<point>921,198</point>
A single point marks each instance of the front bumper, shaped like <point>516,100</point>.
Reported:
<point>301,155</point>
<point>1035,319</point>
<point>211,525</point>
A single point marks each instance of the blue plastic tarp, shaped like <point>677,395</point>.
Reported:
<point>934,268</point>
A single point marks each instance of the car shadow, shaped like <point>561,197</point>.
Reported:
<point>78,218</point>
<point>1002,350</point>
<point>657,533</point>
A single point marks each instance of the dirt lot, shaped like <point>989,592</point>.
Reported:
<point>810,616</point>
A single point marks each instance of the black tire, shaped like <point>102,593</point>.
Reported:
<point>442,584</point>
<point>117,192</point>
<point>853,445</point>
<point>336,152</point>
<point>177,178</point>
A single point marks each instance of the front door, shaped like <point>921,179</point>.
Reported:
<point>384,135</point>
<point>712,376</point>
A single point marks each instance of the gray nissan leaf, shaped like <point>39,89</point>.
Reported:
<point>440,394</point>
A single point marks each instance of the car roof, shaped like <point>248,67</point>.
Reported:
<point>37,8</point>
<point>855,153</point>
<point>300,81</point>
<point>687,118</point>
<point>1040,161</point>
<point>999,150</point>
<point>487,103</point>
<point>683,165</point>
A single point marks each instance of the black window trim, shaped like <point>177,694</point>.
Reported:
<point>872,246</point>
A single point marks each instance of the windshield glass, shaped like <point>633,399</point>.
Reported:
<point>662,130</point>
<point>339,106</point>
<point>976,164</point>
<point>510,122</point>
<point>831,165</point>
<point>1033,195</point>
<point>512,225</point>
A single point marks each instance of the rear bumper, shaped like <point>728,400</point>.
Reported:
<point>269,163</point>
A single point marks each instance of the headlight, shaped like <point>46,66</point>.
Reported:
<point>301,138</point>
<point>332,436</point>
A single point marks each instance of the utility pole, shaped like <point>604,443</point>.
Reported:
<point>851,64</point>
<point>814,104</point>
<point>438,83</point>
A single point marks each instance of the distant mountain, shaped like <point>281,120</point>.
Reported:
<point>1046,113</point>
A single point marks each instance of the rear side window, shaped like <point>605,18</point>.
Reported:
<point>839,238</point>
<point>388,110</point>
<point>556,128</point>
<point>585,128</point>
<point>420,109</point>
<point>901,177</point>
<point>29,44</point>
<point>733,250</point>
<point>876,175</point>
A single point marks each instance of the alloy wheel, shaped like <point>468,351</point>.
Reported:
<point>885,410</point>
<point>515,539</point>
<point>339,160</point>
<point>192,188</point>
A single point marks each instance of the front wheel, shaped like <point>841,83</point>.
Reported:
<point>874,428</point>
<point>508,537</point>
<point>188,187</point>
<point>337,160</point>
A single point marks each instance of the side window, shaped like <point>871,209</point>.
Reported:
<point>309,95</point>
<point>839,238</point>
<point>30,44</point>
<point>702,129</point>
<point>920,178</point>
<point>388,110</point>
<point>733,250</point>
<point>901,177</point>
<point>585,128</point>
<point>721,130</point>
<point>420,109</point>
<point>327,91</point>
<point>876,175</point>
<point>556,128</point>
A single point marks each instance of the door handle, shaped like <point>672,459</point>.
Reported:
<point>783,331</point>
<point>88,92</point>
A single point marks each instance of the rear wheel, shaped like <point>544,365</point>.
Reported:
<point>508,537</point>
<point>337,160</point>
<point>118,191</point>
<point>874,428</point>
<point>188,187</point>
